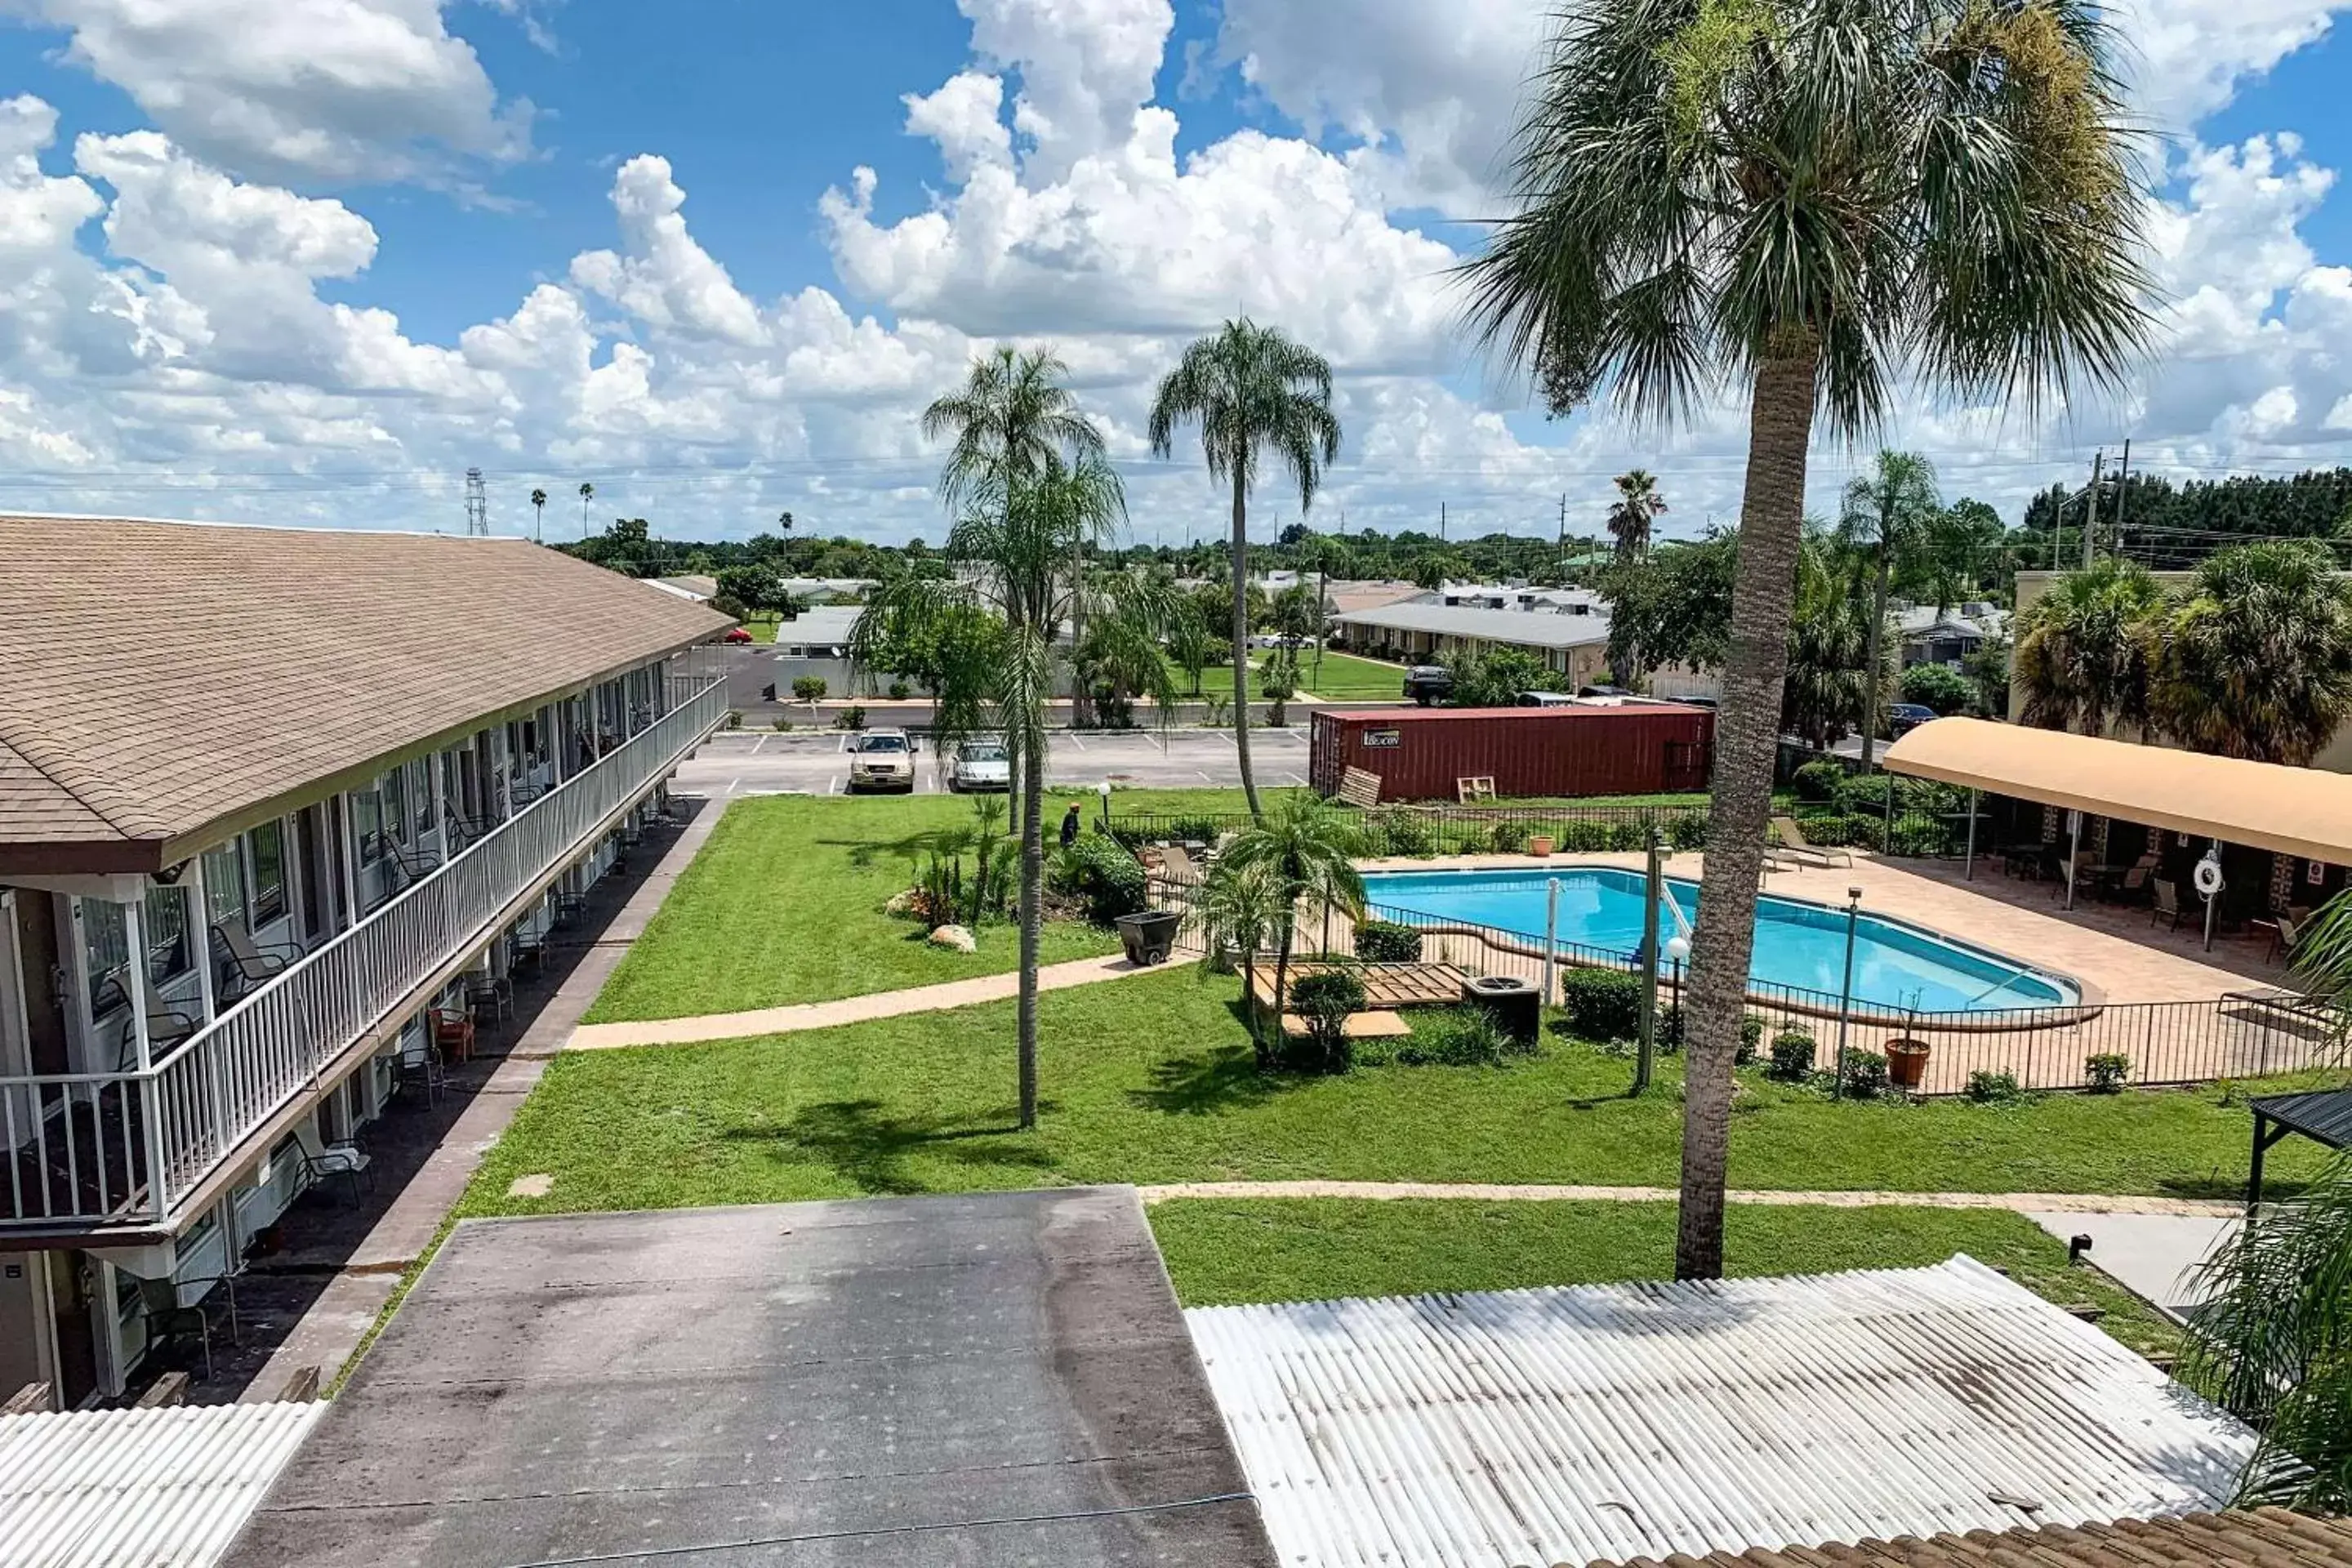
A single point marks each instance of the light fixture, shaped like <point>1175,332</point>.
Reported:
<point>1678,950</point>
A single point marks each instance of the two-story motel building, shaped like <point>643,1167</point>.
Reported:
<point>266,797</point>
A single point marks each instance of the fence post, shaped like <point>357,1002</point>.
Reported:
<point>1649,1041</point>
<point>1551,938</point>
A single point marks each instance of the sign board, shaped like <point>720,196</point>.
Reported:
<point>1375,738</point>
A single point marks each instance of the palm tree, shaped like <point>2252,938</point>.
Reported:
<point>1254,391</point>
<point>1830,687</point>
<point>537,515</point>
<point>2274,1344</point>
<point>1433,569</point>
<point>1325,554</point>
<point>2256,659</point>
<point>1027,474</point>
<point>1804,195</point>
<point>1305,846</point>
<point>587,494</point>
<point>1192,641</point>
<point>1638,504</point>
<point>1888,511</point>
<point>2082,650</point>
<point>1129,612</point>
<point>1237,906</point>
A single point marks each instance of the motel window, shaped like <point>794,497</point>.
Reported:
<point>391,793</point>
<point>420,797</point>
<point>165,923</point>
<point>265,853</point>
<point>223,885</point>
<point>367,824</point>
<point>105,951</point>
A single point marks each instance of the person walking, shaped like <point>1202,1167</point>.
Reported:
<point>1070,825</point>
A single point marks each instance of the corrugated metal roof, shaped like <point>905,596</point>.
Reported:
<point>1532,628</point>
<point>1616,1422</point>
<point>157,1489</point>
<point>2323,1115</point>
<point>2260,1538</point>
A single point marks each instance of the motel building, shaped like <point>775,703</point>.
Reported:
<point>276,809</point>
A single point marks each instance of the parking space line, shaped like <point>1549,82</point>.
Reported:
<point>1081,745</point>
<point>761,744</point>
<point>1301,781</point>
<point>735,783</point>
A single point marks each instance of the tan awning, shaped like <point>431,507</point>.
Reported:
<point>2294,811</point>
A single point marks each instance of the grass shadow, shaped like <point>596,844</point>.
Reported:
<point>866,1144</point>
<point>864,852</point>
<point>1209,1082</point>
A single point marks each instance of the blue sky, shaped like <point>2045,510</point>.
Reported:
<point>305,260</point>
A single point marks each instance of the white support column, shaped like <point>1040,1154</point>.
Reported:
<point>437,775</point>
<point>134,979</point>
<point>200,934</point>
<point>351,858</point>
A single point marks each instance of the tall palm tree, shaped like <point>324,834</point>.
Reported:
<point>1025,471</point>
<point>2256,660</point>
<point>2083,647</point>
<point>1888,511</point>
<point>1254,391</point>
<point>1305,846</point>
<point>1238,907</point>
<point>2274,1344</point>
<point>1637,506</point>
<point>1804,195</point>
<point>587,494</point>
<point>537,515</point>
<point>1831,657</point>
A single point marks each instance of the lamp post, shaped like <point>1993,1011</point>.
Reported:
<point>1845,992</point>
<point>1102,792</point>
<point>1649,1037</point>
<point>1678,954</point>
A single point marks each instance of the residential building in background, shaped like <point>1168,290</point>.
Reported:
<point>1566,629</point>
<point>268,799</point>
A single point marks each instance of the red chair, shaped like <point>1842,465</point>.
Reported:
<point>452,1035</point>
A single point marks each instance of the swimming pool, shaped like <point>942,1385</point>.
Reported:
<point>1897,967</point>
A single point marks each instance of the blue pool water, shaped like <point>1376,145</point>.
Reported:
<point>1897,967</point>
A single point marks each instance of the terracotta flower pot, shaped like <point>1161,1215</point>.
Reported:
<point>1540,845</point>
<point>1906,1063</point>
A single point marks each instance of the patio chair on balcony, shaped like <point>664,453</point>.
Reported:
<point>245,962</point>
<point>166,1026</point>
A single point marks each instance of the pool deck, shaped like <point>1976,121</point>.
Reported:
<point>2113,950</point>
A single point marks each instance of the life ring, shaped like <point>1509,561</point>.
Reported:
<point>2208,878</point>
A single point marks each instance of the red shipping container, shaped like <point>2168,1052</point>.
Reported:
<point>1420,754</point>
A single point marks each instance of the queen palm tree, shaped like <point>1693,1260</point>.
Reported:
<point>1238,907</point>
<point>1888,511</point>
<point>1803,196</point>
<point>538,514</point>
<point>2083,649</point>
<point>1637,506</point>
<point>2256,659</point>
<point>587,494</point>
<point>1254,391</point>
<point>1303,846</point>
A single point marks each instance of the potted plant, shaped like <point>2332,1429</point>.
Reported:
<point>1907,1058</point>
<point>1540,844</point>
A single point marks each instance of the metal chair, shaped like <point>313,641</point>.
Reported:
<point>247,962</point>
<point>2168,902</point>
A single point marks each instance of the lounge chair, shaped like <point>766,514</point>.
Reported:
<point>247,962</point>
<point>2287,928</point>
<point>166,1026</point>
<point>2168,902</point>
<point>1793,845</point>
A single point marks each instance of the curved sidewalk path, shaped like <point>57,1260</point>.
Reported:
<point>801,1016</point>
<point>2022,1203</point>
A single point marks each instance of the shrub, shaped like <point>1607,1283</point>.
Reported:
<point>734,718</point>
<point>780,723</point>
<point>1386,941</point>
<point>1193,830</point>
<point>1580,835</point>
<point>1817,783</point>
<point>1752,1037</point>
<point>1920,838</point>
<point>1936,686</point>
<point>1324,999</point>
<point>1994,1087</point>
<point>1601,1005</point>
<point>851,718</point>
<point>1687,831</point>
<point>1102,876</point>
<point>809,688</point>
<point>1792,1053</point>
<point>1508,837</point>
<point>2104,1072</point>
<point>1863,1072</point>
<point>898,690</point>
<point>1409,833</point>
<point>1455,1037</point>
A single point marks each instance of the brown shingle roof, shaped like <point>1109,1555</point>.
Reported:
<point>2262,1538</point>
<point>157,679</point>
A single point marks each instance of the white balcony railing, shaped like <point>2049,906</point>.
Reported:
<point>82,1146</point>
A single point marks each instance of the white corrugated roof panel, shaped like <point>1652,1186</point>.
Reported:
<point>139,1489</point>
<point>1613,1422</point>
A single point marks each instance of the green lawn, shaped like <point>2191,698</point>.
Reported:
<point>1310,1251</point>
<point>784,904</point>
<point>1151,1081</point>
<point>1345,677</point>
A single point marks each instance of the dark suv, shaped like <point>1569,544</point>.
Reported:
<point>1428,683</point>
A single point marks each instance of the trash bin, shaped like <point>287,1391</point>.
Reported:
<point>1150,936</point>
<point>1515,1005</point>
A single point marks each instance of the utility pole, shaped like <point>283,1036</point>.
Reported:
<point>478,506</point>
<point>1441,522</point>
<point>2090,509</point>
<point>1563,523</point>
<point>2123,482</point>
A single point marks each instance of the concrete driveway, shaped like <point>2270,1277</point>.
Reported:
<point>985,1380</point>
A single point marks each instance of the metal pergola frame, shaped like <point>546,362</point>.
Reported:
<point>2324,1116</point>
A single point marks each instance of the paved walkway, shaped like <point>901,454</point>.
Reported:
<point>2204,1210</point>
<point>846,1010</point>
<point>2154,1256</point>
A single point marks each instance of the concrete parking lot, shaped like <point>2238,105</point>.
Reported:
<point>748,762</point>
